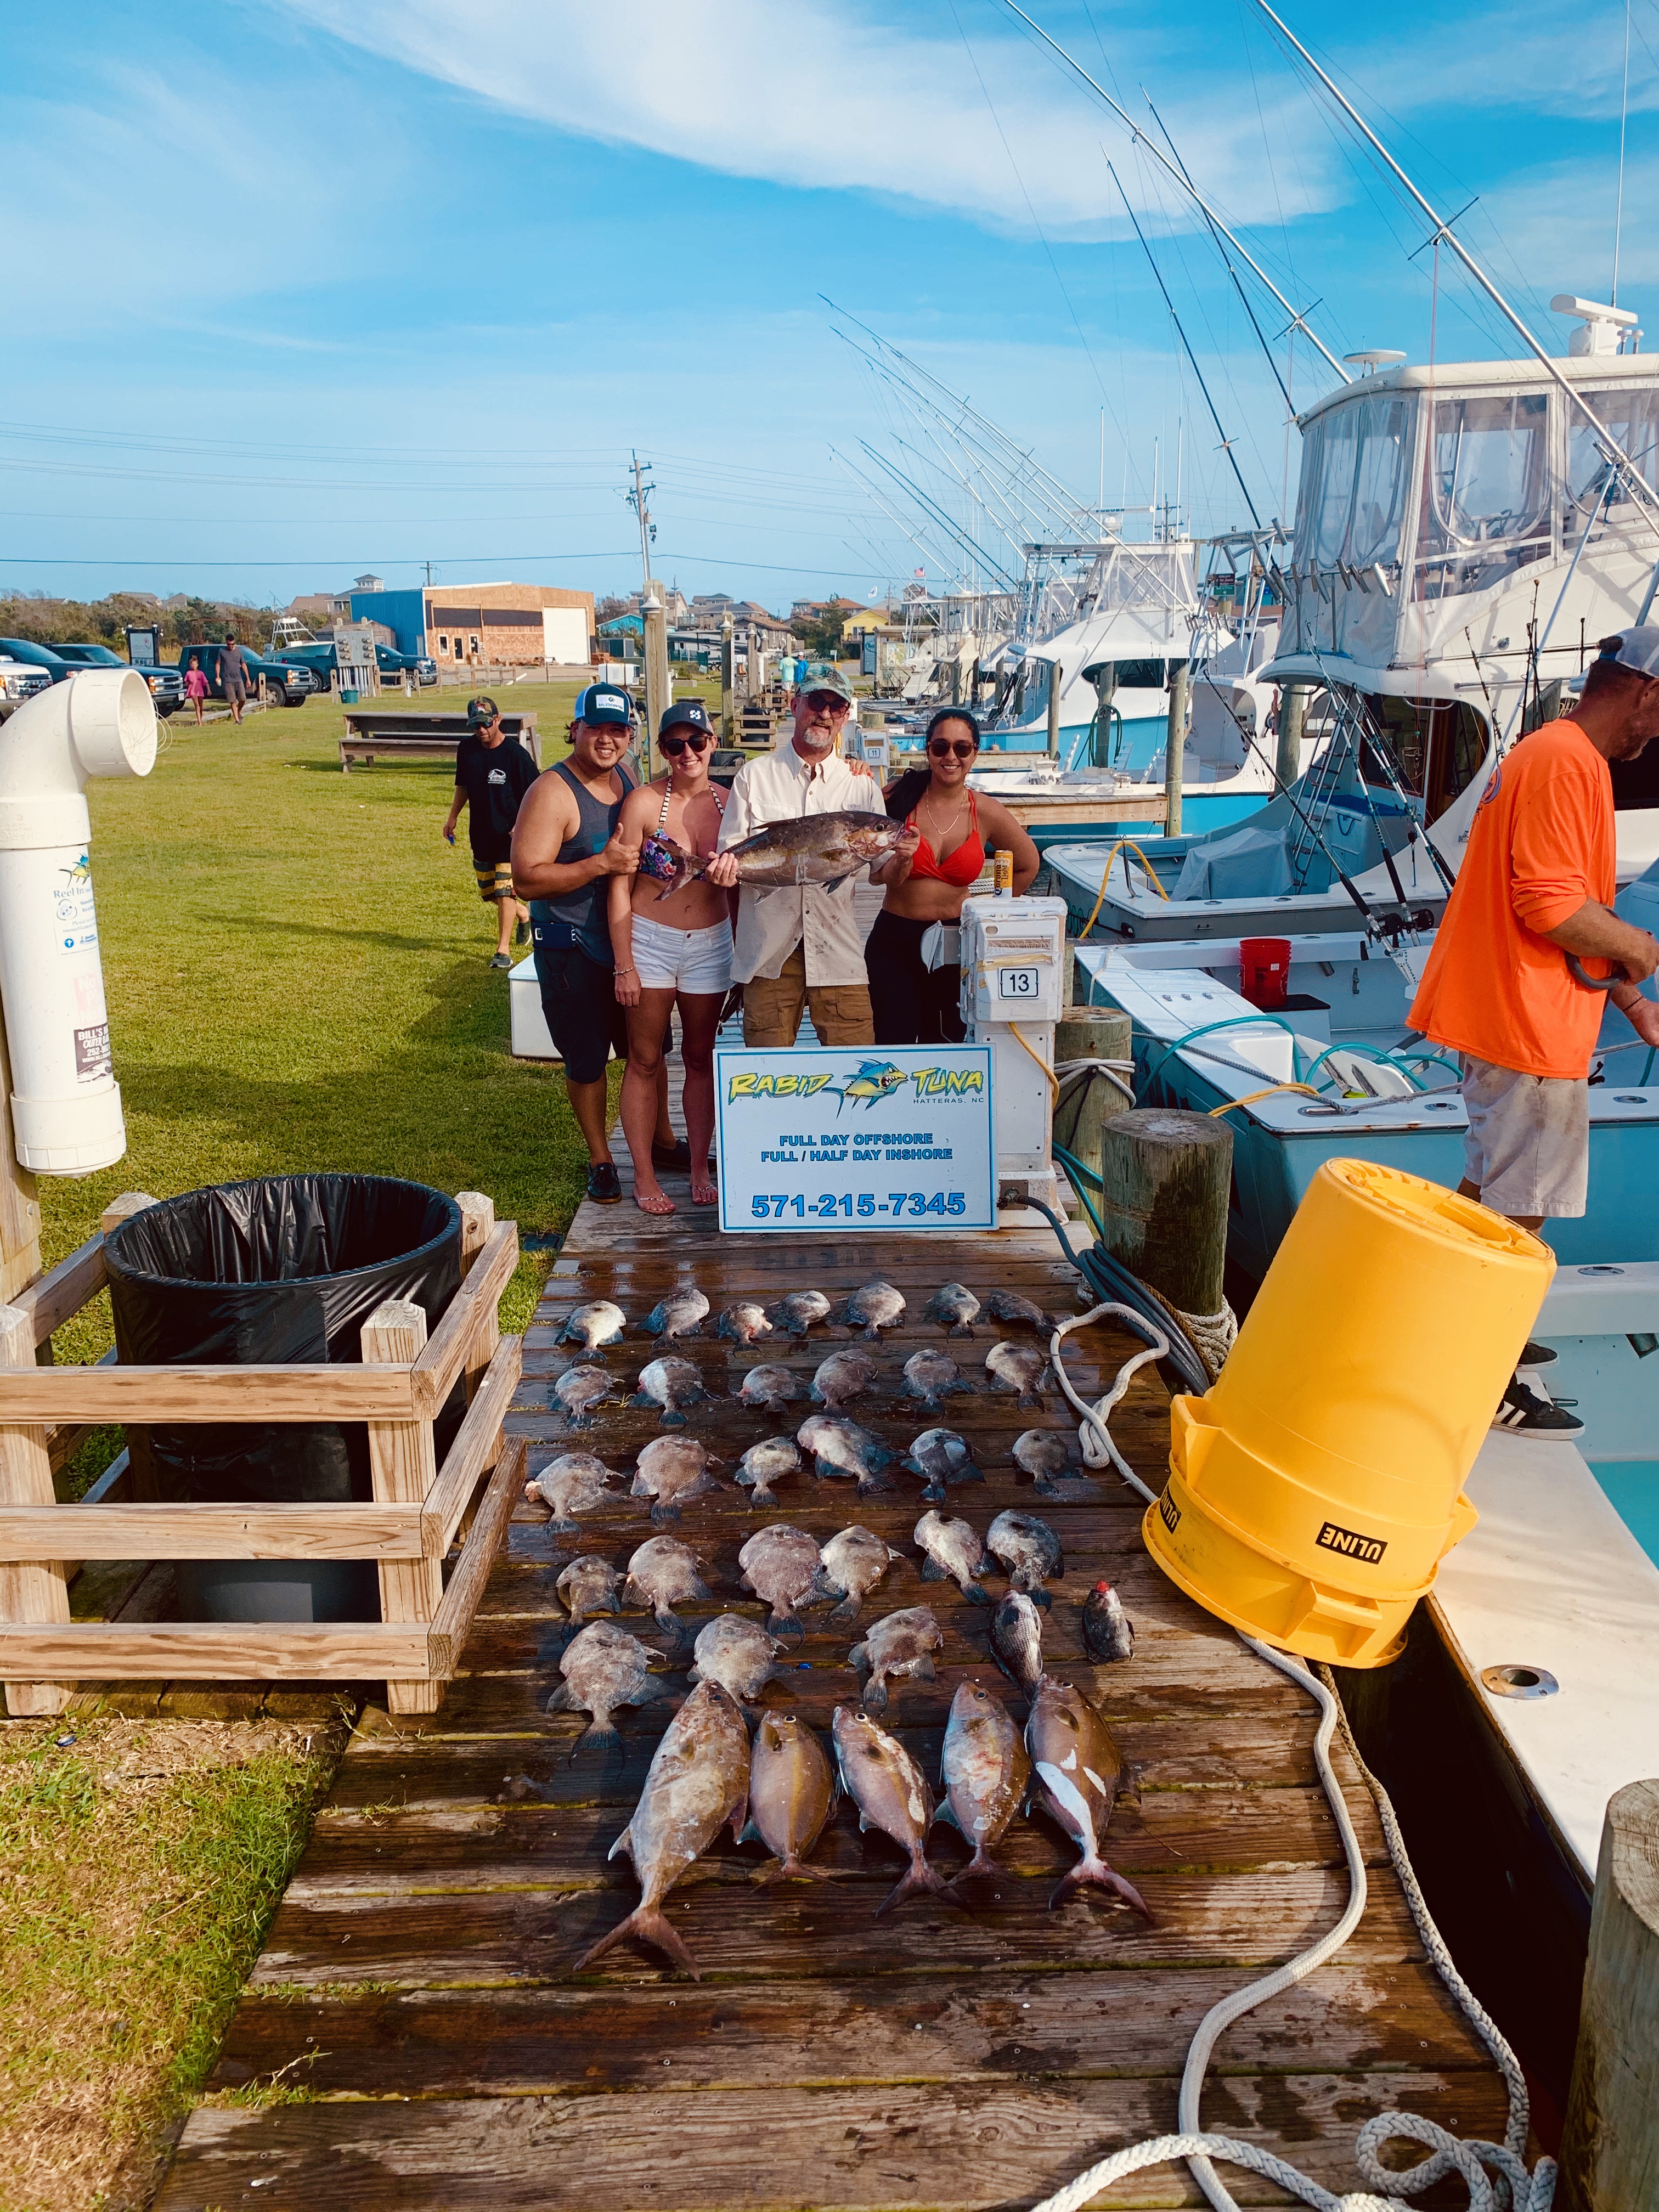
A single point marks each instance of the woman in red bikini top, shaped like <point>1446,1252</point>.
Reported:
<point>960,827</point>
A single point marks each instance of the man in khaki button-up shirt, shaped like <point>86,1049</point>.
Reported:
<point>800,945</point>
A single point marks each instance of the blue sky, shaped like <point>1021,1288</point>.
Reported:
<point>308,287</point>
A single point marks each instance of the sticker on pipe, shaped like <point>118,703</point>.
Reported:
<point>76,917</point>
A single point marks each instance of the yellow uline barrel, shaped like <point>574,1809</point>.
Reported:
<point>1314,1489</point>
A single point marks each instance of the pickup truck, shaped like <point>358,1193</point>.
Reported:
<point>318,655</point>
<point>18,682</point>
<point>287,682</point>
<point>166,685</point>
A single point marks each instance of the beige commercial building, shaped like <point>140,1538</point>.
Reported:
<point>490,624</point>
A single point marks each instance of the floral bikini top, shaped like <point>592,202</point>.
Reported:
<point>658,852</point>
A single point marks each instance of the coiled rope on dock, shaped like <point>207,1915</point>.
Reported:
<point>1386,2188</point>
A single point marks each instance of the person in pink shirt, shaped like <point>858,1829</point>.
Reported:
<point>196,685</point>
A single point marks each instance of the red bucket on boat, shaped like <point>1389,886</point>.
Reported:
<point>1264,968</point>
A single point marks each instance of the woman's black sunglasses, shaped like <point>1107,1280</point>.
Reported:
<point>698,738</point>
<point>942,748</point>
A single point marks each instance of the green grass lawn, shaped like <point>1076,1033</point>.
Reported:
<point>296,966</point>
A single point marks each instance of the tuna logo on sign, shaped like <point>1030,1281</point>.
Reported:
<point>1368,1550</point>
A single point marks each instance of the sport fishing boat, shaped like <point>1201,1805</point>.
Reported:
<point>1461,544</point>
<point>1111,629</point>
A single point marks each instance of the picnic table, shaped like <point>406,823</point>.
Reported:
<point>400,733</point>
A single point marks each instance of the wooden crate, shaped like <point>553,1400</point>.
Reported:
<point>419,1509</point>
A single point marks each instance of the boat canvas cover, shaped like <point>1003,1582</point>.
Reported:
<point>1248,863</point>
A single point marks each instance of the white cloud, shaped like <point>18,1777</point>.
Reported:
<point>818,96</point>
<point>168,196</point>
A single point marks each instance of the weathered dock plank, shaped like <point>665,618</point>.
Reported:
<point>418,1980</point>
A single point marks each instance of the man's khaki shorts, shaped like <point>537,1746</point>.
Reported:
<point>1528,1143</point>
<point>772,1007</point>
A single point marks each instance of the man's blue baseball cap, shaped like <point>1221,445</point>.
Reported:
<point>604,703</point>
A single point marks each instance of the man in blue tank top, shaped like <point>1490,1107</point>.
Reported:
<point>565,850</point>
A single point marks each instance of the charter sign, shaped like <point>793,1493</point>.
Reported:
<point>814,1138</point>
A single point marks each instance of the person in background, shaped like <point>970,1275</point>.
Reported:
<point>565,849</point>
<point>958,828</point>
<point>801,946</point>
<point>672,949</point>
<point>232,676</point>
<point>492,776</point>
<point>1535,894</point>
<point>196,687</point>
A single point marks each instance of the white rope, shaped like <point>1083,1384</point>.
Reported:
<point>1449,2154</point>
<point>1114,1071</point>
<point>1213,1334</point>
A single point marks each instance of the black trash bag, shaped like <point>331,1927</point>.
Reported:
<point>279,1271</point>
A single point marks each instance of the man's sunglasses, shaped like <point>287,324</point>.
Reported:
<point>826,702</point>
<point>942,748</point>
<point>696,739</point>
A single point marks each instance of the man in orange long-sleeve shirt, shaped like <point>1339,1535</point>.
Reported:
<point>1536,886</point>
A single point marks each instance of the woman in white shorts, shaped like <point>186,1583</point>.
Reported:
<point>672,946</point>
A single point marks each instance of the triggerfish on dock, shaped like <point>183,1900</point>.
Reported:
<point>698,1780</point>
<point>791,1790</point>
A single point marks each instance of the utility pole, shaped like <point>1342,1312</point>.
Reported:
<point>728,679</point>
<point>639,500</point>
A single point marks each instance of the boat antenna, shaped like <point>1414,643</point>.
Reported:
<point>1442,229</point>
<point>1299,321</point>
<point>1619,210</point>
<point>1238,286</point>
<point>1226,442</point>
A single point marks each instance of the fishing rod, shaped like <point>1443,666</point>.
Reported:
<point>1379,746</point>
<point>1374,924</point>
<point>1243,296</point>
<point>1611,445</point>
<point>1226,442</point>
<point>1299,321</point>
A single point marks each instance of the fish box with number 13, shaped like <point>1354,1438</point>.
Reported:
<point>1013,953</point>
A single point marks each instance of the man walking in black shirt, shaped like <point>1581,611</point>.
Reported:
<point>492,775</point>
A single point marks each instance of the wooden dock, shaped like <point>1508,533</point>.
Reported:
<point>413,2033</point>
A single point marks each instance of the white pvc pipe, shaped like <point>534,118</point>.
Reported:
<point>65,1101</point>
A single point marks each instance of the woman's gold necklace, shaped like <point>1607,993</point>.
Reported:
<point>939,835</point>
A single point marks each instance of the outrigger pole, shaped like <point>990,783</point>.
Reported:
<point>1615,453</point>
<point>1186,184</point>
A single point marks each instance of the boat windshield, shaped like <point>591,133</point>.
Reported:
<point>1632,417</point>
<point>1485,492</point>
<point>1354,486</point>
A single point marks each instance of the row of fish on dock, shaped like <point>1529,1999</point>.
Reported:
<point>781,1791</point>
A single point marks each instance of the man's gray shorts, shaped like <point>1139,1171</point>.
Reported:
<point>1527,1144</point>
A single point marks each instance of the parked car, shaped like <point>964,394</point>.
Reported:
<point>166,685</point>
<point>18,682</point>
<point>393,663</point>
<point>287,682</point>
<point>318,655</point>
<point>58,671</point>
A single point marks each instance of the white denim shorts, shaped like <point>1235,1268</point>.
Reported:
<point>1528,1143</point>
<point>695,961</point>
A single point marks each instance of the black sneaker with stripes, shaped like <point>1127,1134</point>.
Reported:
<point>1524,1413</point>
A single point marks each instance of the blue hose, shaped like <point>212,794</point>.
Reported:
<point>1107,1280</point>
